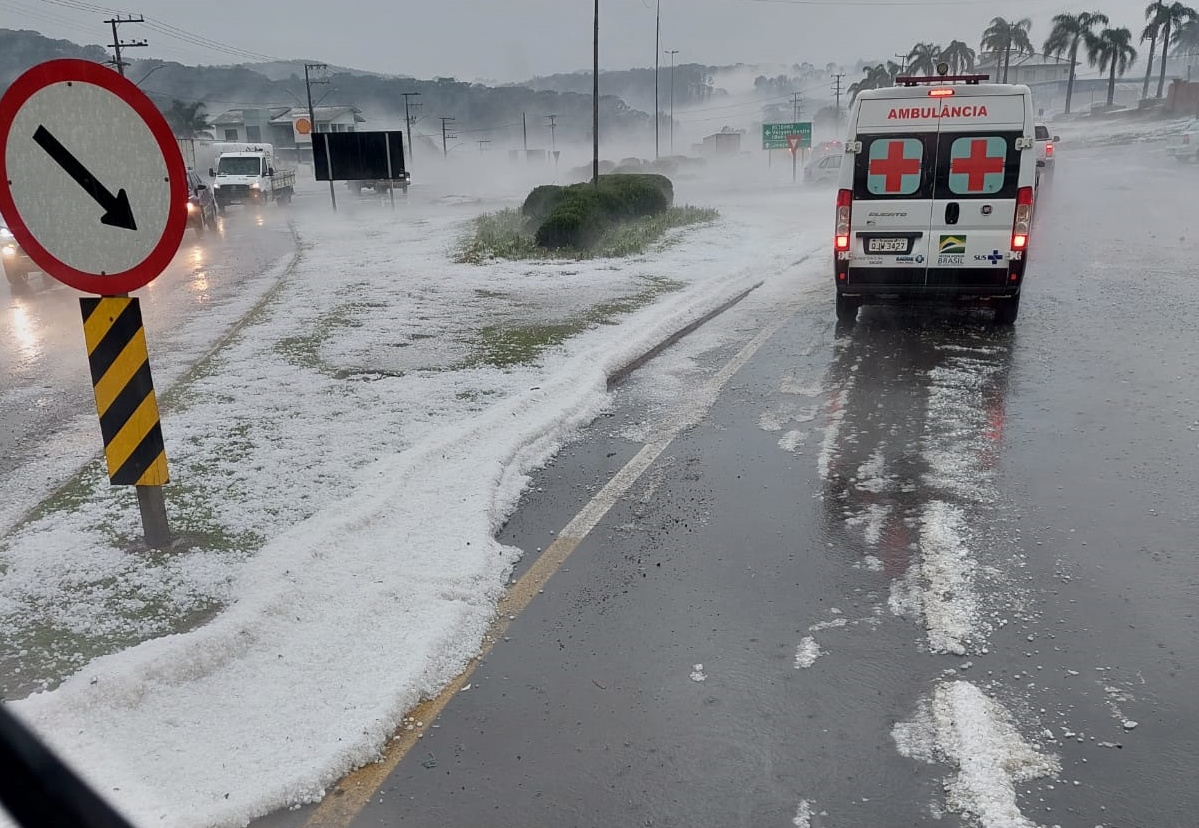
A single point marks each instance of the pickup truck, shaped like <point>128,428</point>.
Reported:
<point>1045,142</point>
<point>248,175</point>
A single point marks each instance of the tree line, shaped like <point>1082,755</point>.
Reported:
<point>1168,25</point>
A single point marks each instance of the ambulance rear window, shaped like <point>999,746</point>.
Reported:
<point>978,166</point>
<point>1042,133</point>
<point>895,166</point>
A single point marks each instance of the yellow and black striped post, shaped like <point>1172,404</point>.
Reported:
<point>125,401</point>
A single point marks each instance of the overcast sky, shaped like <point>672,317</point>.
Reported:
<point>517,39</point>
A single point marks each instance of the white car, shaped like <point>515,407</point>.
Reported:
<point>1184,145</point>
<point>16,262</point>
<point>1045,148</point>
<point>823,169</point>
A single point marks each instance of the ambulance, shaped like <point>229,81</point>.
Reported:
<point>936,195</point>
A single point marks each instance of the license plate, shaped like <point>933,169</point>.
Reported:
<point>887,245</point>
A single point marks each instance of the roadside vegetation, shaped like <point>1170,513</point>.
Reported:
<point>624,216</point>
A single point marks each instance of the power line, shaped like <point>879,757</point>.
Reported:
<point>117,44</point>
<point>168,30</point>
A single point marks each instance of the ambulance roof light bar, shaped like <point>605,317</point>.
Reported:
<point>972,80</point>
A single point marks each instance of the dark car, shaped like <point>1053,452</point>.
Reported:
<point>201,204</point>
<point>17,264</point>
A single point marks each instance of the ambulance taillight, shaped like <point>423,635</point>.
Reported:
<point>1022,226</point>
<point>844,205</point>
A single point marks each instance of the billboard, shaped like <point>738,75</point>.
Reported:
<point>358,156</point>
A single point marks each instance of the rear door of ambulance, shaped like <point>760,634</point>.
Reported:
<point>976,187</point>
<point>891,218</point>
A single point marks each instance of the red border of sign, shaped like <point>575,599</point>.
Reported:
<point>82,71</point>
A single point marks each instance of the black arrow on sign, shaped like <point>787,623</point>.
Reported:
<point>118,212</point>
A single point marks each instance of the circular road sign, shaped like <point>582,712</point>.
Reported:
<point>92,182</point>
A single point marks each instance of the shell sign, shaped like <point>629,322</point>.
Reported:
<point>303,126</point>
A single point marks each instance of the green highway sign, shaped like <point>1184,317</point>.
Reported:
<point>775,136</point>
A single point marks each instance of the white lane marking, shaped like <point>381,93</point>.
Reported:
<point>803,815</point>
<point>698,405</point>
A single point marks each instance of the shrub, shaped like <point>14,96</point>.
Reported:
<point>641,194</point>
<point>577,215</point>
<point>542,201</point>
<point>576,223</point>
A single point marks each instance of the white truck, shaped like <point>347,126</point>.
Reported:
<point>248,173</point>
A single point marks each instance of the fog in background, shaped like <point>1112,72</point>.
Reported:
<point>518,39</point>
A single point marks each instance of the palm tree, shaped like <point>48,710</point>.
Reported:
<point>1154,13</point>
<point>1172,16</point>
<point>1113,50</point>
<point>877,77</point>
<point>1002,37</point>
<point>959,56</point>
<point>922,60</point>
<point>1069,31</point>
<point>187,120</point>
<point>1186,38</point>
<point>894,70</point>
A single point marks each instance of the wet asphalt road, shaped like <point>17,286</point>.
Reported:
<point>43,359</point>
<point>747,634</point>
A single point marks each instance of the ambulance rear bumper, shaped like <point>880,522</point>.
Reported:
<point>933,284</point>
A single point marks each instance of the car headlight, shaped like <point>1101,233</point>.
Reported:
<point>5,233</point>
<point>255,186</point>
<point>9,250</point>
<point>191,207</point>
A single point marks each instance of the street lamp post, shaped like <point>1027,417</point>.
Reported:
<point>595,102</point>
<point>672,53</point>
<point>657,61</point>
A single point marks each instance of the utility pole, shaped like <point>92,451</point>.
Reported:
<point>903,63</point>
<point>672,53</point>
<point>595,102</point>
<point>309,68</point>
<point>837,89</point>
<point>446,135</point>
<point>795,98</point>
<point>117,45</point>
<point>524,125</point>
<point>408,120</point>
<point>553,128</point>
<point>657,61</point>
<point>483,145</point>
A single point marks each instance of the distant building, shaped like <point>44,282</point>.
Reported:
<point>1027,69</point>
<point>286,127</point>
<point>721,145</point>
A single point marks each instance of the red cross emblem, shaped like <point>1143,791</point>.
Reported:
<point>894,167</point>
<point>977,166</point>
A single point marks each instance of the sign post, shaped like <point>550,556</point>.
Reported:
<point>93,187</point>
<point>793,143</point>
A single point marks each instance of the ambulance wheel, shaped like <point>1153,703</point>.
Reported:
<point>1006,310</point>
<point>847,309</point>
